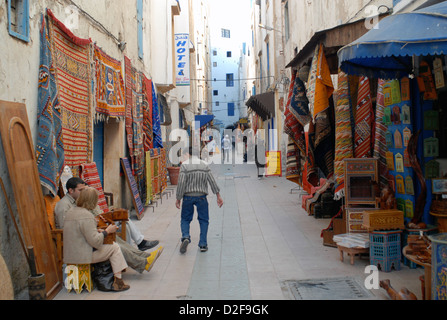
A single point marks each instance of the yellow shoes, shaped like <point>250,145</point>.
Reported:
<point>152,258</point>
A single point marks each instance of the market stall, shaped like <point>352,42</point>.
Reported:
<point>405,57</point>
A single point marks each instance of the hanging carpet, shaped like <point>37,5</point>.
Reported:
<point>343,133</point>
<point>147,115</point>
<point>320,86</point>
<point>380,146</point>
<point>109,87</point>
<point>89,173</point>
<point>73,76</point>
<point>49,142</point>
<point>134,117</point>
<point>297,100</point>
<point>364,118</point>
<point>158,142</point>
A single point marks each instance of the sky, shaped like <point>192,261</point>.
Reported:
<point>231,14</point>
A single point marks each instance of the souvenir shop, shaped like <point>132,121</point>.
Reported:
<point>389,154</point>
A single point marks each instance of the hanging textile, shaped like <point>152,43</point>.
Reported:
<point>363,121</point>
<point>293,166</point>
<point>380,146</point>
<point>320,86</point>
<point>324,142</point>
<point>89,173</point>
<point>158,142</point>
<point>163,170</point>
<point>109,87</point>
<point>149,198</point>
<point>134,117</point>
<point>73,78</point>
<point>297,101</point>
<point>343,134</point>
<point>49,142</point>
<point>147,115</point>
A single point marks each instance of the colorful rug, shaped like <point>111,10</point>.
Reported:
<point>156,124</point>
<point>89,173</point>
<point>292,126</point>
<point>320,86</point>
<point>72,56</point>
<point>134,118</point>
<point>380,146</point>
<point>109,87</point>
<point>299,104</point>
<point>343,134</point>
<point>49,142</point>
<point>163,169</point>
<point>148,139</point>
<point>293,165</point>
<point>364,118</point>
<point>324,142</point>
<point>148,199</point>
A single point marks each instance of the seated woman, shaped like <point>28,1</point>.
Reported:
<point>83,242</point>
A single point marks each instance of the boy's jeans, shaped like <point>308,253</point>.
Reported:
<point>201,204</point>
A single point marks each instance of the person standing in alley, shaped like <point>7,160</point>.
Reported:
<point>226,147</point>
<point>194,178</point>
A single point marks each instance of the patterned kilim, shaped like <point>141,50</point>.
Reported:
<point>299,105</point>
<point>72,61</point>
<point>110,94</point>
<point>89,174</point>
<point>320,83</point>
<point>147,115</point>
<point>293,166</point>
<point>163,169</point>
<point>156,124</point>
<point>324,143</point>
<point>148,199</point>
<point>380,147</point>
<point>363,121</point>
<point>292,126</point>
<point>343,133</point>
<point>134,117</point>
<point>49,143</point>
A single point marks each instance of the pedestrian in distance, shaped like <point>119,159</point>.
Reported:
<point>226,147</point>
<point>194,178</point>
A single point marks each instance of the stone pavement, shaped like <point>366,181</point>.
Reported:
<point>257,241</point>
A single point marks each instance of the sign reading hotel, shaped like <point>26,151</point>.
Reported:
<point>182,59</point>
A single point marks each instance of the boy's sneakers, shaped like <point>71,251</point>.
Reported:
<point>203,248</point>
<point>184,245</point>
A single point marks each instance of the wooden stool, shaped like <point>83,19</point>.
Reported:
<point>351,252</point>
<point>76,276</point>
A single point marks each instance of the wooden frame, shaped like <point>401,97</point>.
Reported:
<point>356,171</point>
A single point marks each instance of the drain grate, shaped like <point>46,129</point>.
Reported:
<point>328,289</point>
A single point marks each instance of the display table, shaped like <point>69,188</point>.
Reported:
<point>352,252</point>
<point>427,269</point>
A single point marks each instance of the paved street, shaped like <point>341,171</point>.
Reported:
<point>259,240</point>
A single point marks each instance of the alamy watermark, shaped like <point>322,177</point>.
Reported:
<point>234,146</point>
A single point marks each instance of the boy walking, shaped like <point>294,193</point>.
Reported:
<point>194,177</point>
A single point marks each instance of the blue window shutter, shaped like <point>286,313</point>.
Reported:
<point>140,27</point>
<point>231,109</point>
<point>18,19</point>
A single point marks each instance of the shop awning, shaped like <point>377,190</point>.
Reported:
<point>204,119</point>
<point>387,52</point>
<point>263,105</point>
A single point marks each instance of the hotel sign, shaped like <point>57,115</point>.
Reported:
<point>182,59</point>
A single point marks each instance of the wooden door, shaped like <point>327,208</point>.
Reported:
<point>21,161</point>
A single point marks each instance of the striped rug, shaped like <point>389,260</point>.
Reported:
<point>72,57</point>
<point>380,147</point>
<point>343,133</point>
<point>363,121</point>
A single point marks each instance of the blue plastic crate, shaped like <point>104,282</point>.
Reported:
<point>385,250</point>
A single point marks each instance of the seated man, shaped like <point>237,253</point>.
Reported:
<point>74,187</point>
<point>84,244</point>
<point>135,258</point>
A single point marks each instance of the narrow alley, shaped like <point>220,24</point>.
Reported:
<point>260,243</point>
